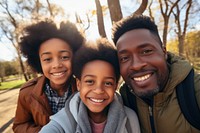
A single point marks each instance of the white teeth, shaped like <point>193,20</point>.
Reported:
<point>142,78</point>
<point>57,74</point>
<point>96,100</point>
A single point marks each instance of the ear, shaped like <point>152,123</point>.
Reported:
<point>165,52</point>
<point>78,84</point>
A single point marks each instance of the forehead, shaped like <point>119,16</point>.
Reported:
<point>136,36</point>
<point>54,44</point>
<point>98,67</point>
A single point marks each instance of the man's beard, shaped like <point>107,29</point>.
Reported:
<point>146,94</point>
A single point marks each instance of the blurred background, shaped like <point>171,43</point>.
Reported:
<point>178,22</point>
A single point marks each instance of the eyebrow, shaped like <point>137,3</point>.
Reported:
<point>96,76</point>
<point>143,45</point>
<point>61,51</point>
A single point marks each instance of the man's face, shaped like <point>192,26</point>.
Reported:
<point>142,61</point>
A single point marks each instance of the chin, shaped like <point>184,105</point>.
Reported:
<point>147,93</point>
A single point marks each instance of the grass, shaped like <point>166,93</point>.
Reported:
<point>11,84</point>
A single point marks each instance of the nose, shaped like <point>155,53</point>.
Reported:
<point>98,89</point>
<point>57,63</point>
<point>137,63</point>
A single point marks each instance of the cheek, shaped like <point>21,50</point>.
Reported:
<point>83,93</point>
<point>161,64</point>
<point>68,65</point>
<point>123,70</point>
<point>163,69</point>
<point>110,92</point>
<point>44,67</point>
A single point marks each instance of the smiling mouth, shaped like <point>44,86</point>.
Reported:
<point>96,100</point>
<point>142,78</point>
<point>58,74</point>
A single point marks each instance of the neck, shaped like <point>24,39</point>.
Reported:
<point>60,89</point>
<point>98,117</point>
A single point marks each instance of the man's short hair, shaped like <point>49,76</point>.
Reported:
<point>134,22</point>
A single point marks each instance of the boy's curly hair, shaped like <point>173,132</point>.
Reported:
<point>101,49</point>
<point>36,34</point>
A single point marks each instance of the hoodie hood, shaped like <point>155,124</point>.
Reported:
<point>74,118</point>
<point>179,68</point>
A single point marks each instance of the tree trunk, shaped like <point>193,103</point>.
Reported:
<point>165,30</point>
<point>166,11</point>
<point>50,10</point>
<point>100,21</point>
<point>181,33</point>
<point>115,10</point>
<point>181,45</point>
<point>150,11</point>
<point>22,66</point>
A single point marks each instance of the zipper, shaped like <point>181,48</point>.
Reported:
<point>151,119</point>
<point>150,111</point>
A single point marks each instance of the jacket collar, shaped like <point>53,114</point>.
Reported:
<point>40,84</point>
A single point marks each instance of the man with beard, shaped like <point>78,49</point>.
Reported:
<point>153,77</point>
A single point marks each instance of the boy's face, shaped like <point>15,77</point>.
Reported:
<point>55,57</point>
<point>142,62</point>
<point>97,86</point>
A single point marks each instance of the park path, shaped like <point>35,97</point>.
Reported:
<point>8,103</point>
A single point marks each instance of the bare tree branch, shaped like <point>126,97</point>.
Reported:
<point>142,8</point>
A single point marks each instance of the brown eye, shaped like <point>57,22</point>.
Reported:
<point>89,82</point>
<point>108,84</point>
<point>147,51</point>
<point>65,57</point>
<point>47,59</point>
<point>123,58</point>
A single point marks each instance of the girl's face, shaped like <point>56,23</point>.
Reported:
<point>97,87</point>
<point>55,57</point>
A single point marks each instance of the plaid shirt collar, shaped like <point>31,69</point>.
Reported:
<point>56,102</point>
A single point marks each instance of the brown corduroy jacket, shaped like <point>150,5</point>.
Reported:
<point>33,109</point>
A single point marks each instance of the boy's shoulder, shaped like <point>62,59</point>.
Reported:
<point>132,123</point>
<point>129,112</point>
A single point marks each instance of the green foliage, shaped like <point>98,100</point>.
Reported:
<point>192,44</point>
<point>191,48</point>
<point>172,46</point>
<point>2,70</point>
<point>8,68</point>
<point>11,84</point>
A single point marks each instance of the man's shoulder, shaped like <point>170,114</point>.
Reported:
<point>187,101</point>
